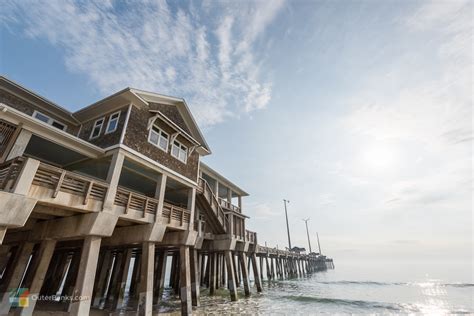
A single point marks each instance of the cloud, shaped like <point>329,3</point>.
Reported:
<point>205,52</point>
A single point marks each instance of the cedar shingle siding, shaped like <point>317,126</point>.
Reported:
<point>28,108</point>
<point>104,140</point>
<point>136,137</point>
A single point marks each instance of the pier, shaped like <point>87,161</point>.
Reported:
<point>98,208</point>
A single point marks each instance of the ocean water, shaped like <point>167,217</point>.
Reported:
<point>354,288</point>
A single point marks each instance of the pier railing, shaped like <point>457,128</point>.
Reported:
<point>250,236</point>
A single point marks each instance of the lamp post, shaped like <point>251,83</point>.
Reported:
<point>287,226</point>
<point>307,233</point>
<point>319,245</point>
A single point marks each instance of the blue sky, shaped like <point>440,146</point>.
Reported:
<point>358,112</point>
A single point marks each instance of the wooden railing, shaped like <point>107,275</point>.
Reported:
<point>214,202</point>
<point>9,172</point>
<point>228,205</point>
<point>135,201</point>
<point>60,180</point>
<point>173,212</point>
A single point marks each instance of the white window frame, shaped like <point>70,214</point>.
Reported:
<point>159,132</point>
<point>179,149</point>
<point>110,120</point>
<point>50,120</point>
<point>95,125</point>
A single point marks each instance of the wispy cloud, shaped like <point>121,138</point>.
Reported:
<point>202,51</point>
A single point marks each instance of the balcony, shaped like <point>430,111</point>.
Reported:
<point>59,188</point>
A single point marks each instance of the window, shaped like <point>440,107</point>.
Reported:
<point>44,118</point>
<point>179,151</point>
<point>97,128</point>
<point>158,138</point>
<point>113,123</point>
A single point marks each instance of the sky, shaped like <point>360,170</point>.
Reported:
<point>357,112</point>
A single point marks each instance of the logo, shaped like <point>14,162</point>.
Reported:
<point>19,298</point>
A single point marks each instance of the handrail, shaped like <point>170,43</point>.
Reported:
<point>204,185</point>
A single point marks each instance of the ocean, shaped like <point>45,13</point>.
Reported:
<point>378,288</point>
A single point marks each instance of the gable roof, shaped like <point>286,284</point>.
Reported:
<point>141,97</point>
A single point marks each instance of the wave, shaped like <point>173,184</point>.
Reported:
<point>353,303</point>
<point>397,283</point>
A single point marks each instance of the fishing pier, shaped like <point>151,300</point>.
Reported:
<point>101,207</point>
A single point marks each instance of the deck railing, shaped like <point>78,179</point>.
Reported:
<point>135,201</point>
<point>60,180</point>
<point>9,172</point>
<point>7,132</point>
<point>250,236</point>
<point>173,212</point>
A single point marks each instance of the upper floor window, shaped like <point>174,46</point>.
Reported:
<point>48,120</point>
<point>97,128</point>
<point>159,138</point>
<point>179,151</point>
<point>113,123</point>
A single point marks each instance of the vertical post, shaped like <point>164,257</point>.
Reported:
<point>256,274</point>
<point>212,274</point>
<point>194,277</point>
<point>113,177</point>
<point>85,276</point>
<point>160,275</point>
<point>105,270</point>
<point>13,280</point>
<point>191,207</point>
<point>44,255</point>
<point>185,281</point>
<point>245,272</point>
<point>230,275</point>
<point>20,144</point>
<point>160,194</point>
<point>125,266</point>
<point>145,298</point>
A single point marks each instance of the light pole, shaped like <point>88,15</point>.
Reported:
<point>307,233</point>
<point>287,226</point>
<point>319,245</point>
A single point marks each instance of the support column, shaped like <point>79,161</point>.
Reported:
<point>256,274</point>
<point>125,266</point>
<point>185,281</point>
<point>145,299</point>
<point>113,177</point>
<point>194,277</point>
<point>245,272</point>
<point>160,276</point>
<point>230,275</point>
<point>212,274</point>
<point>86,275</point>
<point>13,280</point>
<point>191,206</point>
<point>20,144</point>
<point>101,283</point>
<point>160,194</point>
<point>44,254</point>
